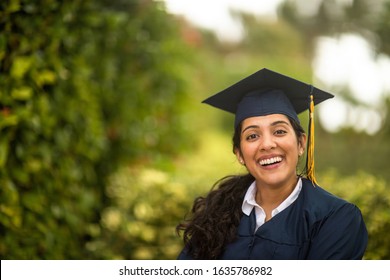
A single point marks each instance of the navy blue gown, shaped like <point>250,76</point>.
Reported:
<point>317,226</point>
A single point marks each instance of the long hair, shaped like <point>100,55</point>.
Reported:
<point>214,219</point>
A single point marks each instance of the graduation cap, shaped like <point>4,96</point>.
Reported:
<point>267,92</point>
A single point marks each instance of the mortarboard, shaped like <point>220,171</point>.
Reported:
<point>267,92</point>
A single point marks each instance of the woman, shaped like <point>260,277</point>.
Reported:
<point>272,212</point>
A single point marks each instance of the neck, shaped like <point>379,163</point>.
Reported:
<point>271,197</point>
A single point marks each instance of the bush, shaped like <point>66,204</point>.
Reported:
<point>85,86</point>
<point>141,222</point>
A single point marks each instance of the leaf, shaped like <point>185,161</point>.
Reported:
<point>45,77</point>
<point>22,93</point>
<point>20,66</point>
<point>10,214</point>
<point>7,121</point>
<point>4,149</point>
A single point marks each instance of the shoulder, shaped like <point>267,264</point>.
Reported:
<point>321,203</point>
<point>319,194</point>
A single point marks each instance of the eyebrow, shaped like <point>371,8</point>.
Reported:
<point>275,123</point>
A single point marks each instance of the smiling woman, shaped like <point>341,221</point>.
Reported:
<point>272,212</point>
<point>270,149</point>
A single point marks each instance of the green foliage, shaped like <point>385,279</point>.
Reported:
<point>84,87</point>
<point>381,28</point>
<point>141,223</point>
<point>368,18</point>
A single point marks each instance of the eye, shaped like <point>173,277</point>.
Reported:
<point>280,132</point>
<point>251,137</point>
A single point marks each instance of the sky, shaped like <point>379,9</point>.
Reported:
<point>346,60</point>
<point>214,14</point>
<point>350,60</point>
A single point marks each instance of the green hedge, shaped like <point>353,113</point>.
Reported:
<point>84,87</point>
<point>141,222</point>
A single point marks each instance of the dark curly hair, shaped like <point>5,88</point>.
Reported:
<point>214,219</point>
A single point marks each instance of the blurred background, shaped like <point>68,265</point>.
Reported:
<point>104,141</point>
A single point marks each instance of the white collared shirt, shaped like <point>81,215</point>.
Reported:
<point>250,202</point>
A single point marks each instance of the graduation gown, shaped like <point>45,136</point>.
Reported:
<point>316,226</point>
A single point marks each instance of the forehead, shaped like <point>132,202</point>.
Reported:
<point>265,121</point>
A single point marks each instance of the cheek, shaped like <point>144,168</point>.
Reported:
<point>248,149</point>
<point>291,148</point>
<point>294,151</point>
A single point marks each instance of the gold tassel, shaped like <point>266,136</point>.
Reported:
<point>310,145</point>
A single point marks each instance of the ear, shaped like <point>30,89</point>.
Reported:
<point>302,143</point>
<point>239,156</point>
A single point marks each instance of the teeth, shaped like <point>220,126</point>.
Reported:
<point>270,160</point>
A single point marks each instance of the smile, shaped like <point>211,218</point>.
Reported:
<point>269,161</point>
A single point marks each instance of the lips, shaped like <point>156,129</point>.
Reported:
<point>270,161</point>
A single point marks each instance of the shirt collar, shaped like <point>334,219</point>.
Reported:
<point>250,199</point>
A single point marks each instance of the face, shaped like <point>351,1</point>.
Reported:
<point>270,149</point>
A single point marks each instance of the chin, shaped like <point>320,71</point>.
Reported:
<point>277,180</point>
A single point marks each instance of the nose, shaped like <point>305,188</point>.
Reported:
<point>268,143</point>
